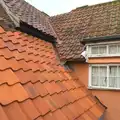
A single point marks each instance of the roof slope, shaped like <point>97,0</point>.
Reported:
<point>34,86</point>
<point>85,22</point>
<point>21,11</point>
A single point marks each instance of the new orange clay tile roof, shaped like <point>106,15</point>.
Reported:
<point>21,11</point>
<point>85,22</point>
<point>34,86</point>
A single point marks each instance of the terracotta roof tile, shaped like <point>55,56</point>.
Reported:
<point>49,88</point>
<point>41,89</point>
<point>8,76</point>
<point>89,113</point>
<point>69,97</point>
<point>39,118</point>
<point>97,112</point>
<point>80,118</point>
<point>59,100</point>
<point>49,117</point>
<point>29,109</point>
<point>86,117</point>
<point>33,90</point>
<point>59,115</point>
<point>85,22</point>
<point>62,86</point>
<point>24,77</point>
<point>14,112</point>
<point>3,63</point>
<point>3,116</point>
<point>41,105</point>
<point>74,110</point>
<point>85,103</point>
<point>53,106</point>
<point>68,113</point>
<point>9,94</point>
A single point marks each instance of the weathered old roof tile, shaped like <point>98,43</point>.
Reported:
<point>85,22</point>
<point>21,11</point>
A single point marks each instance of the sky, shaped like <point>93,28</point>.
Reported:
<point>54,7</point>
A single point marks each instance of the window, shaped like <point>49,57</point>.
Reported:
<point>114,49</point>
<point>98,50</point>
<point>103,50</point>
<point>104,76</point>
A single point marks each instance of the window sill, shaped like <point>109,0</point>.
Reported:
<point>103,88</point>
<point>95,56</point>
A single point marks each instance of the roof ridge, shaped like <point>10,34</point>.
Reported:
<point>98,4</point>
<point>86,6</point>
<point>42,12</point>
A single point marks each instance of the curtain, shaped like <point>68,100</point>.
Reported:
<point>118,49</point>
<point>118,78</point>
<point>95,76</point>
<point>112,49</point>
<point>94,50</point>
<point>102,49</point>
<point>112,76</point>
<point>103,76</point>
<point>99,76</point>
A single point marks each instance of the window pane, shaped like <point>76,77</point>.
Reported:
<point>103,81</point>
<point>112,49</point>
<point>95,81</point>
<point>118,71</point>
<point>118,78</point>
<point>95,71</point>
<point>103,76</point>
<point>102,50</point>
<point>113,76</point>
<point>99,76</point>
<point>113,82</point>
<point>118,49</point>
<point>94,50</point>
<point>95,76</point>
<point>112,71</point>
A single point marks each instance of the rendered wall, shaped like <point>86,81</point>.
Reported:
<point>110,99</point>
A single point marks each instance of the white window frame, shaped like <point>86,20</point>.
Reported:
<point>101,87</point>
<point>107,44</point>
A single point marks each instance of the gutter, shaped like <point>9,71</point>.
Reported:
<point>100,39</point>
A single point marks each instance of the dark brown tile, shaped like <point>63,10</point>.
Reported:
<point>84,22</point>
